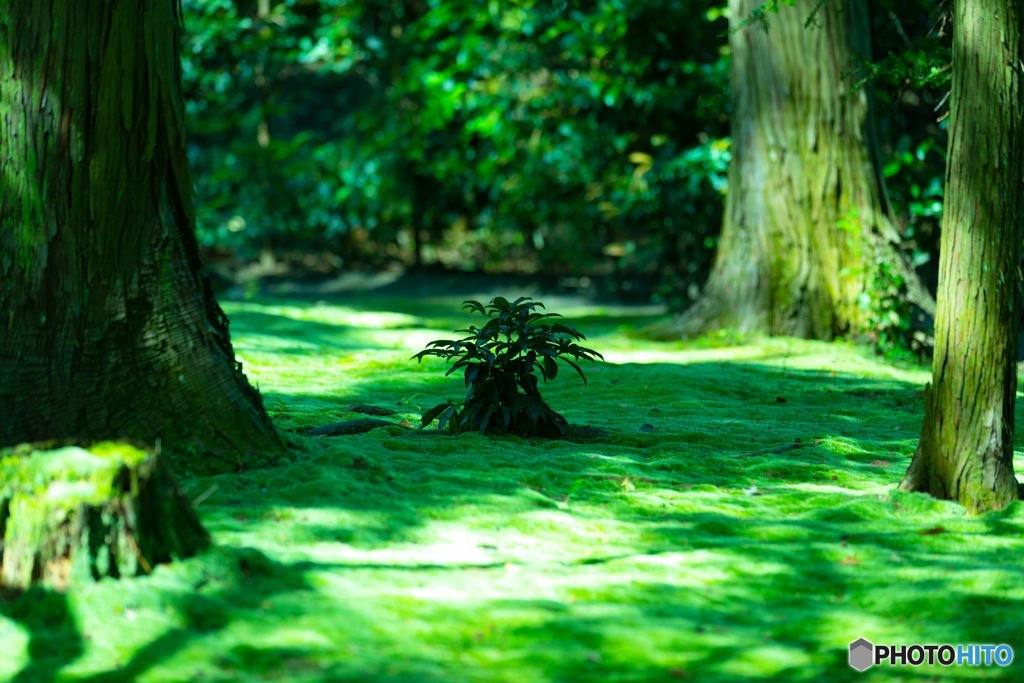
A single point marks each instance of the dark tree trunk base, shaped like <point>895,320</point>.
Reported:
<point>72,514</point>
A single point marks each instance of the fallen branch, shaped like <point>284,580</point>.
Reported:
<point>773,451</point>
<point>347,427</point>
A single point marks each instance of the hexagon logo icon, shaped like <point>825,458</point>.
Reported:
<point>862,654</point>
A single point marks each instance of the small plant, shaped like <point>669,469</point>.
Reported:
<point>500,362</point>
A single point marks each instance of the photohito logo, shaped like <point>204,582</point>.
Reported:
<point>864,654</point>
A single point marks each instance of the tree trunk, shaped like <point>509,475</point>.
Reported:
<point>807,248</point>
<point>966,447</point>
<point>113,510</point>
<point>109,330</point>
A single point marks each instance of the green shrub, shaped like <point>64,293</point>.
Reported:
<point>500,362</point>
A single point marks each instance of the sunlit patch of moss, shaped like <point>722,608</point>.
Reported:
<point>70,472</point>
<point>742,537</point>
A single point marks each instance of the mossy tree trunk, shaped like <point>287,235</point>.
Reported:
<point>966,447</point>
<point>109,328</point>
<point>807,247</point>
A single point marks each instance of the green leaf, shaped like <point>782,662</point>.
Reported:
<point>446,418</point>
<point>432,414</point>
<point>530,408</point>
<point>550,368</point>
<point>562,329</point>
<point>456,366</point>
<point>484,419</point>
<point>577,369</point>
<point>474,306</point>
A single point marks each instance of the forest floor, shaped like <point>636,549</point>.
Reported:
<point>740,522</point>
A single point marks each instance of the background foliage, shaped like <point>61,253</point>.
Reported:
<point>586,140</point>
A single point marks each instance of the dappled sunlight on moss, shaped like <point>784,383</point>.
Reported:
<point>739,521</point>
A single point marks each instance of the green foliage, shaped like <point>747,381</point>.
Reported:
<point>500,362</point>
<point>570,138</point>
<point>914,176</point>
<point>921,66</point>
<point>910,70</point>
<point>889,323</point>
<point>499,133</point>
<point>759,15</point>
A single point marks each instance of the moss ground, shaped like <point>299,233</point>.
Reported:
<point>741,522</point>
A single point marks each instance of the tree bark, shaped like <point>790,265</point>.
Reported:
<point>807,247</point>
<point>966,447</point>
<point>113,510</point>
<point>109,329</point>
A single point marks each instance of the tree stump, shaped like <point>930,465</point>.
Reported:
<point>78,513</point>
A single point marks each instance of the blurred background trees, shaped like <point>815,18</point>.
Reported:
<point>585,141</point>
<point>807,247</point>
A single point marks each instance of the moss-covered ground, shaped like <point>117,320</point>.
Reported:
<point>741,522</point>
